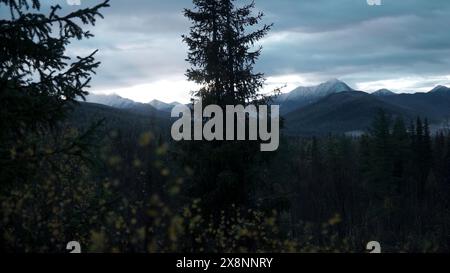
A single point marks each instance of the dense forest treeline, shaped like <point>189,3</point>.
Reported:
<point>331,193</point>
<point>391,183</point>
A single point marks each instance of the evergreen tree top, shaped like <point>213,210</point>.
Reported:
<point>223,51</point>
<point>35,71</point>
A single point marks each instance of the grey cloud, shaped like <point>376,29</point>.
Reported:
<point>394,44</point>
<point>139,40</point>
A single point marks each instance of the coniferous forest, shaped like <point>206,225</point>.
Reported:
<point>114,179</point>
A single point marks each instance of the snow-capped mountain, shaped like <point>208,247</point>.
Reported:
<point>154,107</point>
<point>125,104</point>
<point>383,92</point>
<point>162,106</point>
<point>115,101</point>
<point>305,95</point>
<point>321,90</point>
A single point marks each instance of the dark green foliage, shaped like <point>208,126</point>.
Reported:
<point>36,75</point>
<point>39,82</point>
<point>390,184</point>
<point>39,152</point>
<point>222,53</point>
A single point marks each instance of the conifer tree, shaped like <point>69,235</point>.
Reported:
<point>39,81</point>
<point>400,148</point>
<point>222,53</point>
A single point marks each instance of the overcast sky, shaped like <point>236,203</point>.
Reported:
<point>403,45</point>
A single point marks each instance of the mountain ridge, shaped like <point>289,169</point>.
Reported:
<point>305,95</point>
<point>384,92</point>
<point>119,102</point>
<point>163,106</point>
<point>332,106</point>
<point>340,113</point>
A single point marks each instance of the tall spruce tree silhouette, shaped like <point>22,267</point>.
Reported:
<point>222,53</point>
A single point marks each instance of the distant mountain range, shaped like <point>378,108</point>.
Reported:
<point>353,111</point>
<point>330,107</point>
<point>302,96</point>
<point>153,108</point>
<point>340,112</point>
